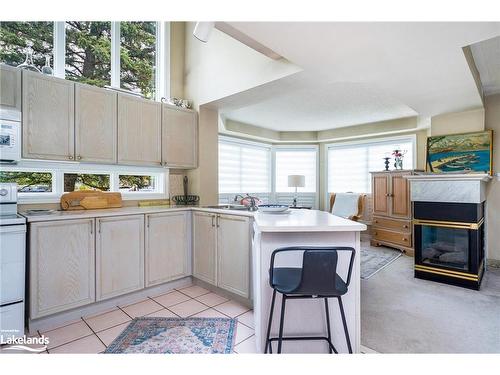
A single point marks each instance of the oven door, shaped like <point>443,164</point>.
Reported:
<point>12,263</point>
<point>453,246</point>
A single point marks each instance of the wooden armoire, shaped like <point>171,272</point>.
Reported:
<point>392,210</point>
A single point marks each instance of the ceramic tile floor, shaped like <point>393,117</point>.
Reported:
<point>92,334</point>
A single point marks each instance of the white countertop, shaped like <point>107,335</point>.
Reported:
<point>293,221</point>
<point>305,221</point>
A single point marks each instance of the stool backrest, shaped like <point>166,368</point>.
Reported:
<point>319,269</point>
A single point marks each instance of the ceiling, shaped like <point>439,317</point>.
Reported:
<point>487,59</point>
<point>355,73</point>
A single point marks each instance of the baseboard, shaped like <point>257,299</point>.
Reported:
<point>367,350</point>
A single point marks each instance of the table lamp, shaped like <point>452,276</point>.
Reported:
<point>296,181</point>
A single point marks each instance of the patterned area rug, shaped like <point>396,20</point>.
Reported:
<point>176,336</point>
<point>373,260</point>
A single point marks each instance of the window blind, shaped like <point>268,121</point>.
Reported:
<point>293,162</point>
<point>244,168</point>
<point>349,166</point>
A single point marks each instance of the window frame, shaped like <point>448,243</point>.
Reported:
<point>58,169</point>
<point>162,56</point>
<point>367,141</point>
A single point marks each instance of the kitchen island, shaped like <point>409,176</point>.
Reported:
<point>305,317</point>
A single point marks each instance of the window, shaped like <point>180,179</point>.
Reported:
<point>14,37</point>
<point>29,182</point>
<point>350,164</point>
<point>295,161</point>
<point>137,57</point>
<point>88,52</point>
<point>131,183</point>
<point>129,55</point>
<point>47,184</point>
<point>244,167</point>
<point>86,181</point>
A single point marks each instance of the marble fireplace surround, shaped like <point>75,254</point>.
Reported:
<point>449,188</point>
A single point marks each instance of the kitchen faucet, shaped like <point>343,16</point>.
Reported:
<point>253,201</point>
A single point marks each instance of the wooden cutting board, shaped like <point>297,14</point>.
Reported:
<point>90,200</point>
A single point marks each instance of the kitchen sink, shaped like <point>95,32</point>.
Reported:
<point>238,207</point>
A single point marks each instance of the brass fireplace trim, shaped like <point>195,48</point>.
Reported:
<point>449,224</point>
<point>443,272</point>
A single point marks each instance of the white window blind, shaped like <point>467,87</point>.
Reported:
<point>244,168</point>
<point>296,162</point>
<point>349,165</point>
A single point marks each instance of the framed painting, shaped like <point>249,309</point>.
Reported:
<point>460,153</point>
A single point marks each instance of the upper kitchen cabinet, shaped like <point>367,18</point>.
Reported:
<point>95,124</point>
<point>180,137</point>
<point>48,105</point>
<point>10,93</point>
<point>139,131</point>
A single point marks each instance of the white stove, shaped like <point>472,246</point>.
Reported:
<point>12,264</point>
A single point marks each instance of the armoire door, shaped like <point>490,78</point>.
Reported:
<point>380,187</point>
<point>400,192</point>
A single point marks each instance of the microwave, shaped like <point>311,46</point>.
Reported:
<point>10,141</point>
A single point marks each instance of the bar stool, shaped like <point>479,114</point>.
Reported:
<point>317,278</point>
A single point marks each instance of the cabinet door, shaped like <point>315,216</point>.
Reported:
<point>180,137</point>
<point>233,247</point>
<point>139,131</point>
<point>95,124</point>
<point>400,196</point>
<point>167,247</point>
<point>10,93</point>
<point>48,117</point>
<point>119,255</point>
<point>380,188</point>
<point>62,266</point>
<point>205,247</point>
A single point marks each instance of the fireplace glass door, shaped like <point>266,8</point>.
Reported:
<point>445,246</point>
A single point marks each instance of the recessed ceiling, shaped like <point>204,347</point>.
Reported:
<point>487,59</point>
<point>355,73</point>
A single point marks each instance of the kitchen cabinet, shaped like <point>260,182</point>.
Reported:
<point>167,247</point>
<point>233,250</point>
<point>392,210</point>
<point>179,137</point>
<point>221,251</point>
<point>205,247</point>
<point>48,117</point>
<point>139,131</point>
<point>10,93</point>
<point>62,266</point>
<point>95,124</point>
<point>119,255</point>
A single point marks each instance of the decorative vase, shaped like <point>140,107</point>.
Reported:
<point>46,69</point>
<point>28,62</point>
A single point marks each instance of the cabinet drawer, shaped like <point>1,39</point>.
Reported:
<point>398,225</point>
<point>394,237</point>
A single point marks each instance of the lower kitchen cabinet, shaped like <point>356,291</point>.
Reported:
<point>119,255</point>
<point>221,251</point>
<point>233,253</point>
<point>205,247</point>
<point>62,266</point>
<point>167,247</point>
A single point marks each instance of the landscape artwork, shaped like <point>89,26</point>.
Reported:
<point>469,152</point>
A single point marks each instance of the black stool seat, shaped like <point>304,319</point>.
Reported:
<point>288,280</point>
<point>317,278</point>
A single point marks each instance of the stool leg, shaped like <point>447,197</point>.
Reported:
<point>327,310</point>
<point>282,321</point>
<point>345,325</point>
<point>269,324</point>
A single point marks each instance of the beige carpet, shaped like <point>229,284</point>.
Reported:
<point>401,314</point>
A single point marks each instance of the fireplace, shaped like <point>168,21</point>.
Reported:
<point>449,242</point>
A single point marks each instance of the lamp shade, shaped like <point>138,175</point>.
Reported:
<point>296,180</point>
<point>202,30</point>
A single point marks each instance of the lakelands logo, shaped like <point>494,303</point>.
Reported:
<point>36,344</point>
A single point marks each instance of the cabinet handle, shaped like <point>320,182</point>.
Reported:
<point>405,226</point>
<point>213,217</point>
<point>147,221</point>
<point>217,221</point>
<point>70,157</point>
<point>405,239</point>
<point>79,157</point>
<point>91,229</point>
<point>376,221</point>
<point>99,226</point>
<point>375,233</point>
